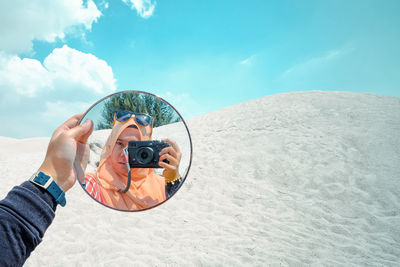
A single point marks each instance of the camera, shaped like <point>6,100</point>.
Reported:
<point>145,154</point>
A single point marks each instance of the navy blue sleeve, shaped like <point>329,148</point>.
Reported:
<point>25,214</point>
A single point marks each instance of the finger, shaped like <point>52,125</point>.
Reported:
<point>166,166</point>
<point>172,160</point>
<point>68,124</point>
<point>81,130</point>
<point>173,144</point>
<point>83,139</point>
<point>169,150</point>
<point>73,121</point>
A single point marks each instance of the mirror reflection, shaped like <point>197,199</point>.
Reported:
<point>140,151</point>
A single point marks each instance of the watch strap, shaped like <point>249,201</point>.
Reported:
<point>47,182</point>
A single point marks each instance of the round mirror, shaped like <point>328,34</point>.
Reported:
<point>140,151</point>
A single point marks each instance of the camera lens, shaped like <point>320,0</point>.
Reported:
<point>144,155</point>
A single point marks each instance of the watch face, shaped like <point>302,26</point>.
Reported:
<point>41,178</point>
<point>139,153</point>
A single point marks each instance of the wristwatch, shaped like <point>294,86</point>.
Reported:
<point>47,182</point>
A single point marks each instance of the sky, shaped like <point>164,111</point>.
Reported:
<point>58,57</point>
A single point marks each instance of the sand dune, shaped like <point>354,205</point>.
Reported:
<point>297,179</point>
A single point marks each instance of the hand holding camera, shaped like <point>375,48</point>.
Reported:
<point>156,154</point>
<point>145,154</point>
<point>173,155</point>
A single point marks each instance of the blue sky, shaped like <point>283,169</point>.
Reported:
<point>200,56</point>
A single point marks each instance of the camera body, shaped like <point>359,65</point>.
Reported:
<point>145,154</point>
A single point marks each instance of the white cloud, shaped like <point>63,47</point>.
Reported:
<point>248,61</point>
<point>316,62</point>
<point>42,96</point>
<point>24,76</point>
<point>326,71</point>
<point>22,21</point>
<point>39,119</point>
<point>64,69</point>
<point>63,109</point>
<point>67,65</point>
<point>145,8</point>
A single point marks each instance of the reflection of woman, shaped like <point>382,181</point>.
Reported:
<point>147,188</point>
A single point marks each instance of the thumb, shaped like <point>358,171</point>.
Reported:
<point>82,132</point>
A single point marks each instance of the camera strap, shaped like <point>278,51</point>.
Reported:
<point>128,168</point>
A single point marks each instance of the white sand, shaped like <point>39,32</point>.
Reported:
<point>298,179</point>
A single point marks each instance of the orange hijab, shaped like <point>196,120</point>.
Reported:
<point>147,188</point>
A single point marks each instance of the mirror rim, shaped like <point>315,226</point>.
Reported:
<point>187,130</point>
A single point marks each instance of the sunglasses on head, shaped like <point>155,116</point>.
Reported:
<point>140,118</point>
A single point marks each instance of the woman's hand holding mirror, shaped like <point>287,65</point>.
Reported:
<point>68,151</point>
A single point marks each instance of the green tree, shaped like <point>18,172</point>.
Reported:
<point>161,112</point>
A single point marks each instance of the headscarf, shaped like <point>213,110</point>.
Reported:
<point>147,188</point>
